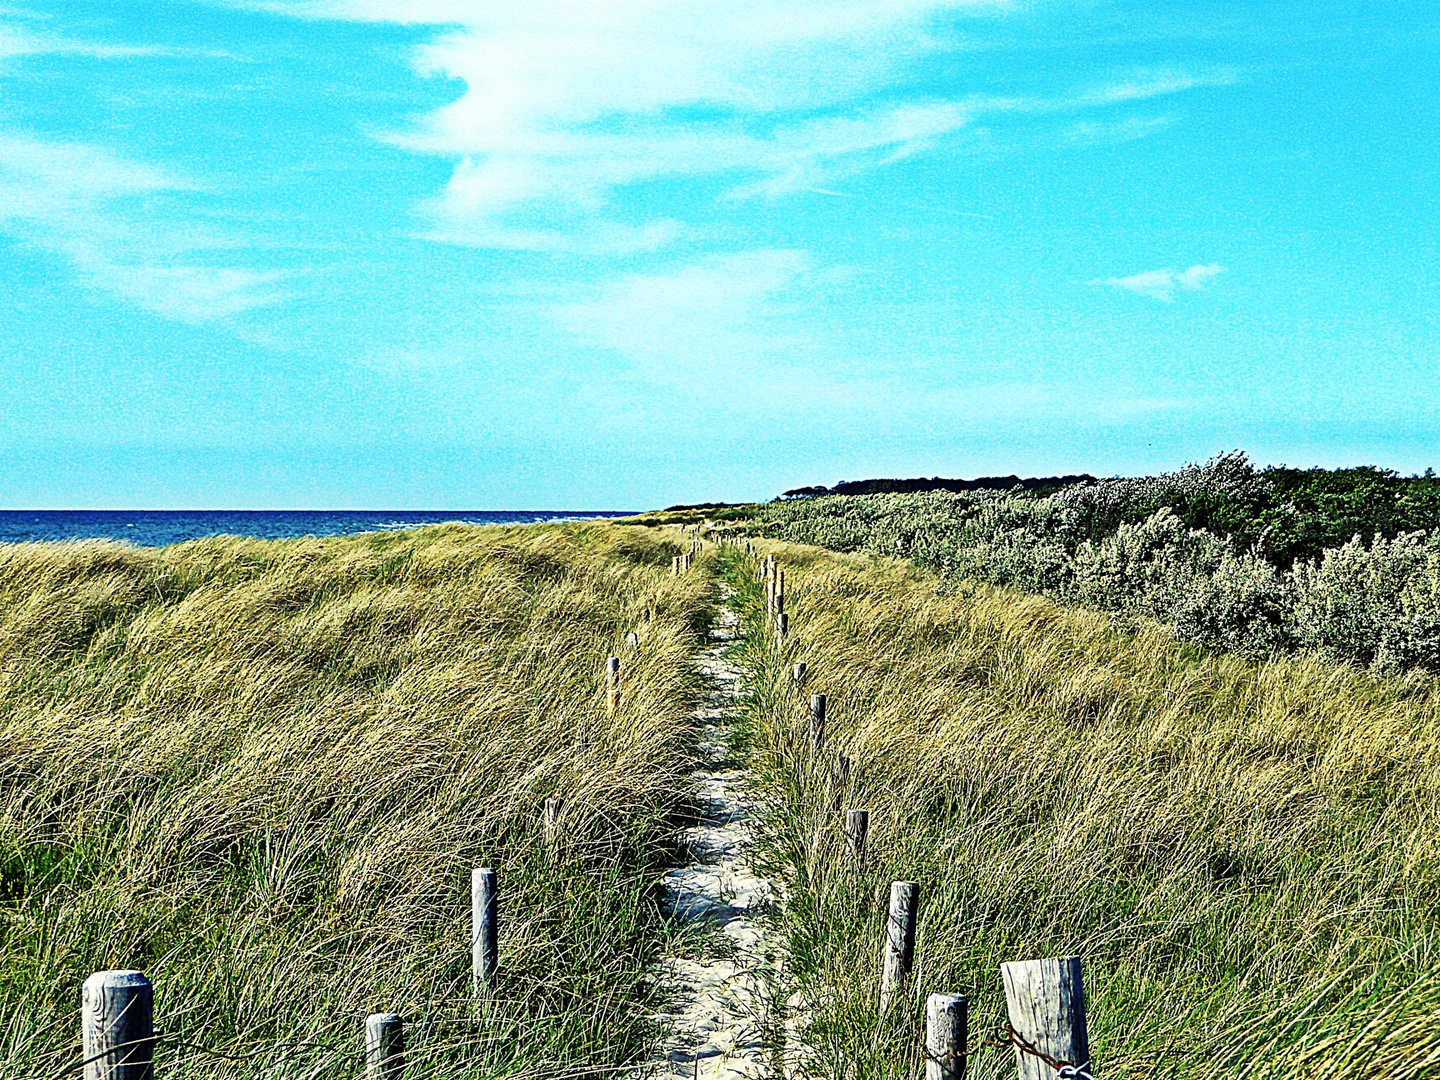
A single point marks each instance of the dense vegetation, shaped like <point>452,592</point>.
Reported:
<point>1345,562</point>
<point>262,772</point>
<point>1247,855</point>
<point>1043,485</point>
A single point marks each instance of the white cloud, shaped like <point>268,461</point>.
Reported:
<point>1162,284</point>
<point>704,323</point>
<point>568,101</point>
<point>95,210</point>
<point>21,41</point>
<point>1143,85</point>
<point>1089,133</point>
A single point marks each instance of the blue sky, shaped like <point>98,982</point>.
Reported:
<point>445,253</point>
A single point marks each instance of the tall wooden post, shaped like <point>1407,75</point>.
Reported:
<point>857,828</point>
<point>899,940</point>
<point>817,721</point>
<point>384,1046</point>
<point>484,930</point>
<point>1046,1002</point>
<point>947,1030</point>
<point>117,1026</point>
<point>612,685</point>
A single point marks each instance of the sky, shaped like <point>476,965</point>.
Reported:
<point>557,254</point>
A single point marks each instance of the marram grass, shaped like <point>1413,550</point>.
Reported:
<point>262,772</point>
<point>1247,855</point>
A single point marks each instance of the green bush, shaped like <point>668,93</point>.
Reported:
<point>1231,557</point>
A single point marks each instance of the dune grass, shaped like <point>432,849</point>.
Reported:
<point>1246,854</point>
<point>262,772</point>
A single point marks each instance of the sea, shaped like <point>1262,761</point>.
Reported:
<point>156,528</point>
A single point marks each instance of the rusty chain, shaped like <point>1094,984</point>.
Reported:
<point>1003,1037</point>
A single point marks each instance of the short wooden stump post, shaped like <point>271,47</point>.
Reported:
<point>117,1026</point>
<point>817,721</point>
<point>552,824</point>
<point>384,1046</point>
<point>857,826</point>
<point>612,685</point>
<point>797,676</point>
<point>947,1030</point>
<point>899,941</point>
<point>484,930</point>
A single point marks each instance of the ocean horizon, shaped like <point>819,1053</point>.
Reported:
<point>157,528</point>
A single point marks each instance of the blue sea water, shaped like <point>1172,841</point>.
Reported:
<point>155,528</point>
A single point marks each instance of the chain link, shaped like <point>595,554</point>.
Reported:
<point>1003,1037</point>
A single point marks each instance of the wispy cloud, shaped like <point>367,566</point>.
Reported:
<point>18,41</point>
<point>568,102</point>
<point>96,211</point>
<point>1091,133</point>
<point>703,323</point>
<point>1143,85</point>
<point>1163,284</point>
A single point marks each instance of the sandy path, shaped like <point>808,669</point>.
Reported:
<point>720,1001</point>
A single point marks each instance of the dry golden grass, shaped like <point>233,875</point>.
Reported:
<point>1247,855</point>
<point>262,771</point>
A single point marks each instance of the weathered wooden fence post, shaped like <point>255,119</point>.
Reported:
<point>1046,1002</point>
<point>947,1030</point>
<point>552,823</point>
<point>384,1046</point>
<point>612,685</point>
<point>817,721</point>
<point>484,930</point>
<point>797,676</point>
<point>857,827</point>
<point>782,625</point>
<point>632,639</point>
<point>780,591</point>
<point>117,1026</point>
<point>899,940</point>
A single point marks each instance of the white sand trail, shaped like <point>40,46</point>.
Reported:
<point>716,1029</point>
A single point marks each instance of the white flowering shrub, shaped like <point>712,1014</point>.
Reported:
<point>1379,605</point>
<point>1118,545</point>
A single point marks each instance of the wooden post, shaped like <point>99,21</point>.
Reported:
<point>117,1026</point>
<point>899,940</point>
<point>947,1030</point>
<point>484,930</point>
<point>552,822</point>
<point>797,676</point>
<point>780,591</point>
<point>1046,1002</point>
<point>782,624</point>
<point>384,1046</point>
<point>817,721</point>
<point>633,640</point>
<point>857,826</point>
<point>612,685</point>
